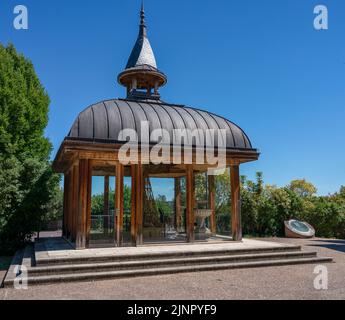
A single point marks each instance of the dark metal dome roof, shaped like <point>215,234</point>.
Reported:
<point>104,121</point>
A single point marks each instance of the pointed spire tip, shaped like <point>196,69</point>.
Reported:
<point>142,19</point>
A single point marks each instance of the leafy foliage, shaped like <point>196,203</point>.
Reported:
<point>97,201</point>
<point>264,212</point>
<point>29,188</point>
<point>265,208</point>
<point>24,106</point>
<point>166,207</point>
<point>302,188</point>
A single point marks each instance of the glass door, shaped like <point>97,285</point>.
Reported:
<point>103,223</point>
<point>163,210</point>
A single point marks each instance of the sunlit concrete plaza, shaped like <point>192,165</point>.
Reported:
<point>284,282</point>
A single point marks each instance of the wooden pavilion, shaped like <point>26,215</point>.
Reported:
<point>92,149</point>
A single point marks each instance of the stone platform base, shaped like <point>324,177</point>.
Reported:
<point>54,260</point>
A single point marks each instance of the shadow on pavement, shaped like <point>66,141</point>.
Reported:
<point>52,244</point>
<point>337,245</point>
<point>5,263</point>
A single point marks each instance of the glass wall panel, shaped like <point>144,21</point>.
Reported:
<point>103,229</point>
<point>127,206</point>
<point>223,204</point>
<point>164,212</point>
<point>203,211</point>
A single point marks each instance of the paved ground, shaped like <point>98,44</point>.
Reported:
<point>287,282</point>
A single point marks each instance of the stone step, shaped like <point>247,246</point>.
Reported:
<point>99,275</point>
<point>153,263</point>
<point>45,261</point>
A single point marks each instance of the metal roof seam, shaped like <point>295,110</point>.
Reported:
<point>108,124</point>
<point>118,108</point>
<point>135,123</point>
<point>196,125</point>
<point>93,121</point>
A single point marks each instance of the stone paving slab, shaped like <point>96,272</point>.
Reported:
<point>59,248</point>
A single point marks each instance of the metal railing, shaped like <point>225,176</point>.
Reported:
<point>102,222</point>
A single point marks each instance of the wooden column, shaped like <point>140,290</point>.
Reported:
<point>75,186</point>
<point>82,204</point>
<point>119,203</point>
<point>72,213</point>
<point>106,204</point>
<point>178,211</point>
<point>88,204</point>
<point>65,205</point>
<point>70,204</point>
<point>236,226</point>
<point>137,204</point>
<point>212,204</point>
<point>190,203</point>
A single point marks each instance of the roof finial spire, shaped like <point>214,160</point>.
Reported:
<point>141,71</point>
<point>142,19</point>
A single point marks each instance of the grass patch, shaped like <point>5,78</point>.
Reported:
<point>5,263</point>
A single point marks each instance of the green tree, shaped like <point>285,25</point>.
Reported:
<point>223,209</point>
<point>302,188</point>
<point>29,188</point>
<point>259,185</point>
<point>24,106</point>
<point>342,192</point>
<point>164,205</point>
<point>97,201</point>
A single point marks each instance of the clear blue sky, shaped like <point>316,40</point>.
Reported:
<point>259,63</point>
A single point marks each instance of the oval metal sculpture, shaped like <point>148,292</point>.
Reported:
<point>298,229</point>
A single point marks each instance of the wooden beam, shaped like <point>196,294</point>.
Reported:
<point>190,203</point>
<point>82,204</point>
<point>119,203</point>
<point>109,151</point>
<point>212,203</point>
<point>167,175</point>
<point>236,226</point>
